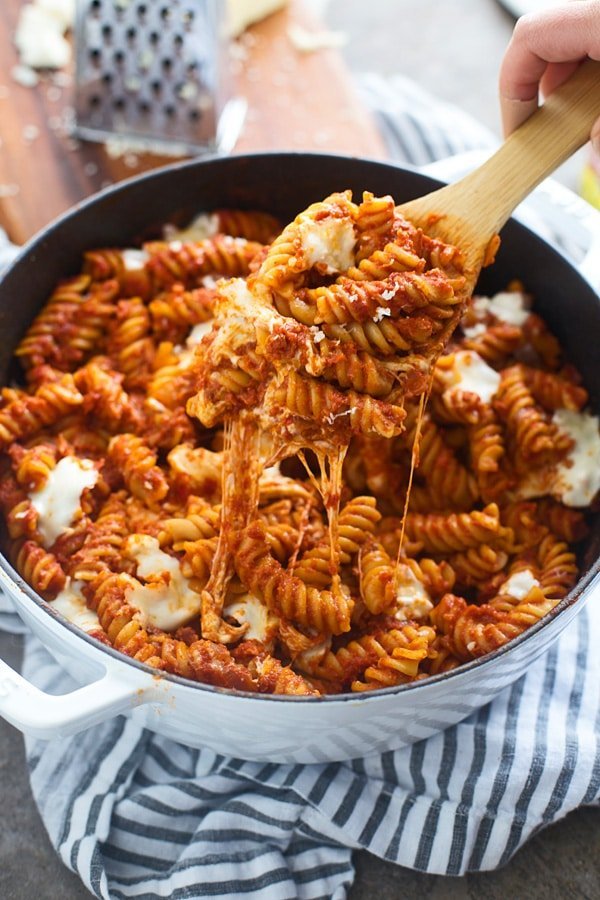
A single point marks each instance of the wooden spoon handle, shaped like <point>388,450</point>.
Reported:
<point>534,150</point>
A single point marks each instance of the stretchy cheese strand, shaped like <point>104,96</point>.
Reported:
<point>294,478</point>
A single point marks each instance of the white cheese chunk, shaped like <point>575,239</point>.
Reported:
<point>58,502</point>
<point>134,260</point>
<point>71,604</point>
<point>519,584</point>
<point>39,39</point>
<point>471,373</point>
<point>329,242</point>
<point>166,600</point>
<point>413,598</point>
<point>473,331</point>
<point>197,333</point>
<point>579,473</point>
<point>508,306</point>
<point>204,226</point>
<point>62,10</point>
<point>576,480</point>
<point>308,659</point>
<point>248,609</point>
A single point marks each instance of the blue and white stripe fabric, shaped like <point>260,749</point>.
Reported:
<point>139,816</point>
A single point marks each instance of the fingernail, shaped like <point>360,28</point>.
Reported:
<point>596,143</point>
<point>515,112</point>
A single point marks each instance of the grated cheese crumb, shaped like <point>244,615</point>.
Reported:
<point>24,75</point>
<point>331,417</point>
<point>380,313</point>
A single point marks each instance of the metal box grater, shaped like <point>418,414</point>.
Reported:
<point>155,72</point>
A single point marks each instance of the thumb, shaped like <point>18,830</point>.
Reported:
<point>515,112</point>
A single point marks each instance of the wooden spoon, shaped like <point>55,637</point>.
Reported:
<point>471,212</point>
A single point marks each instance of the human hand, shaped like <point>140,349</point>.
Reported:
<point>545,49</point>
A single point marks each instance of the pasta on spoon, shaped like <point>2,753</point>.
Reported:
<point>339,325</point>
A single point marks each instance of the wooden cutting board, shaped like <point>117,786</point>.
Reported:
<point>296,101</point>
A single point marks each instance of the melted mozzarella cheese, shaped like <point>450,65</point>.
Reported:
<point>58,503</point>
<point>519,584</point>
<point>413,598</point>
<point>246,318</point>
<point>471,373</point>
<point>311,657</point>
<point>473,331</point>
<point>508,306</point>
<point>71,604</point>
<point>166,600</point>
<point>248,609</point>
<point>197,333</point>
<point>134,260</point>
<point>329,242</point>
<point>576,480</point>
<point>203,226</point>
<point>273,483</point>
<point>579,474</point>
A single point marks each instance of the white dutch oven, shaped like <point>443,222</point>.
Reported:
<point>274,728</point>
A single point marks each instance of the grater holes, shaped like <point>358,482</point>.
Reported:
<point>149,71</point>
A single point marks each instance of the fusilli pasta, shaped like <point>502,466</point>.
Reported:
<point>274,461</point>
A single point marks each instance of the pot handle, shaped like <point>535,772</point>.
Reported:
<point>48,716</point>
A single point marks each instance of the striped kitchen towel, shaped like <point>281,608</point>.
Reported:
<point>140,816</point>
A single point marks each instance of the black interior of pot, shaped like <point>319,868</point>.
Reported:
<point>284,184</point>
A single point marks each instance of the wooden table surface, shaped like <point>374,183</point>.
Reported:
<point>296,101</point>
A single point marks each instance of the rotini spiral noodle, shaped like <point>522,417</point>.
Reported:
<point>314,350</point>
